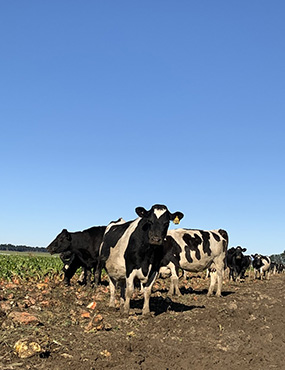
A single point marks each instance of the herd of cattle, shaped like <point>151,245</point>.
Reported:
<point>141,249</point>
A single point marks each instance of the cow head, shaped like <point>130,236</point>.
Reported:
<point>61,243</point>
<point>239,252</point>
<point>156,222</point>
<point>257,261</point>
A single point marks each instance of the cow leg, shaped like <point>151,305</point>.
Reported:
<point>213,279</point>
<point>112,285</point>
<point>129,293</point>
<point>122,294</point>
<point>69,271</point>
<point>219,283</point>
<point>147,293</point>
<point>231,274</point>
<point>98,272</point>
<point>171,288</point>
<point>174,280</point>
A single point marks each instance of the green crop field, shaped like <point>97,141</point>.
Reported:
<point>27,266</point>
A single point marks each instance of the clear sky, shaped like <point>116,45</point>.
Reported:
<point>110,105</point>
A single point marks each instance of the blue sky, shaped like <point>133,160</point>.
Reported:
<point>110,105</point>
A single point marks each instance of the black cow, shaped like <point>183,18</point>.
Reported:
<point>245,264</point>
<point>134,250</point>
<point>195,251</point>
<point>78,249</point>
<point>234,262</point>
<point>273,267</point>
<point>280,268</point>
<point>261,265</point>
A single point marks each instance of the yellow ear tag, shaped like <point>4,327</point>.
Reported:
<point>176,220</point>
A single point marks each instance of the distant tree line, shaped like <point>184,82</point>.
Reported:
<point>278,258</point>
<point>21,248</point>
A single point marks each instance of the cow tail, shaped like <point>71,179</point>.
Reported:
<point>225,236</point>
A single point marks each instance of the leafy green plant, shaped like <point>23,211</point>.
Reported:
<point>29,267</point>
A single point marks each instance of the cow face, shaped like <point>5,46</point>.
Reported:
<point>257,261</point>
<point>156,222</point>
<point>61,243</point>
<point>238,252</point>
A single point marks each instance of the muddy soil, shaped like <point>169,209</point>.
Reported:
<point>74,329</point>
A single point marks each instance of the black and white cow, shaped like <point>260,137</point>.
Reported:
<point>134,250</point>
<point>261,265</point>
<point>235,262</point>
<point>195,251</point>
<point>78,249</point>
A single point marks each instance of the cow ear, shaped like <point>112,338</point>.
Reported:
<point>66,234</point>
<point>244,249</point>
<point>142,212</point>
<point>176,217</point>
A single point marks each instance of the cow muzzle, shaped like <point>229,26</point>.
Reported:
<point>156,240</point>
<point>50,250</point>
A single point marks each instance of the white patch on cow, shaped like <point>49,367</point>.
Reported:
<point>66,267</point>
<point>165,272</point>
<point>138,273</point>
<point>159,212</point>
<point>116,263</point>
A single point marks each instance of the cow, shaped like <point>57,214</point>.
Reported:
<point>261,265</point>
<point>280,268</point>
<point>234,259</point>
<point>245,264</point>
<point>134,250</point>
<point>273,267</point>
<point>195,251</point>
<point>78,249</point>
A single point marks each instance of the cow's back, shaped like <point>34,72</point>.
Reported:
<point>95,236</point>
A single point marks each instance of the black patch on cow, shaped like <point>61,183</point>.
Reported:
<point>192,244</point>
<point>171,251</point>
<point>206,242</point>
<point>151,277</point>
<point>224,235</point>
<point>216,236</point>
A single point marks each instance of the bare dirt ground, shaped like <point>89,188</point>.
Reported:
<point>73,328</point>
